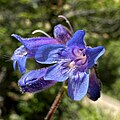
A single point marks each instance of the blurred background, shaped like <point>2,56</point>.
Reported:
<point>101,21</point>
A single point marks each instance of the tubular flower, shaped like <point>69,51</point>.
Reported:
<point>33,81</point>
<point>30,46</point>
<point>62,34</point>
<point>71,62</point>
<point>94,86</point>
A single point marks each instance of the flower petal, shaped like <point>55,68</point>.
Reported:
<point>77,39</point>
<point>62,33</point>
<point>34,43</point>
<point>78,85</point>
<point>48,54</point>
<point>19,57</point>
<point>33,81</point>
<point>94,86</point>
<point>22,64</point>
<point>93,54</point>
<point>57,72</point>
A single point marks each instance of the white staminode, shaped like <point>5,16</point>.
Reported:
<point>40,31</point>
<point>67,21</point>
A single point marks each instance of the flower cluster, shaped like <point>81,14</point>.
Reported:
<point>70,60</point>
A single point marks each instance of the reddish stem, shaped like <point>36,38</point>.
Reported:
<point>55,103</point>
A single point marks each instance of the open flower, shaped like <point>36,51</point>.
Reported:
<point>33,81</point>
<point>71,62</point>
<point>71,59</point>
<point>30,45</point>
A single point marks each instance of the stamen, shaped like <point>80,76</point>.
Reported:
<point>40,31</point>
<point>67,21</point>
<point>72,64</point>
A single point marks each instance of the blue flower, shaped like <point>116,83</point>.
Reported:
<point>94,86</point>
<point>30,45</point>
<point>62,34</point>
<point>71,62</point>
<point>33,81</point>
<point>71,59</point>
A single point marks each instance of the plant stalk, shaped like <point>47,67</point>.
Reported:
<point>55,103</point>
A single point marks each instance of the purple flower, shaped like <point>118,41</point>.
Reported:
<point>94,86</point>
<point>71,59</point>
<point>33,81</point>
<point>71,62</point>
<point>62,34</point>
<point>30,46</point>
<point>19,57</point>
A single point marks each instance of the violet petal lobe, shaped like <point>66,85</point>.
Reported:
<point>34,43</point>
<point>77,39</point>
<point>93,54</point>
<point>78,85</point>
<point>44,53</point>
<point>57,72</point>
<point>62,34</point>
<point>19,57</point>
<point>33,81</point>
<point>22,64</point>
<point>94,86</point>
